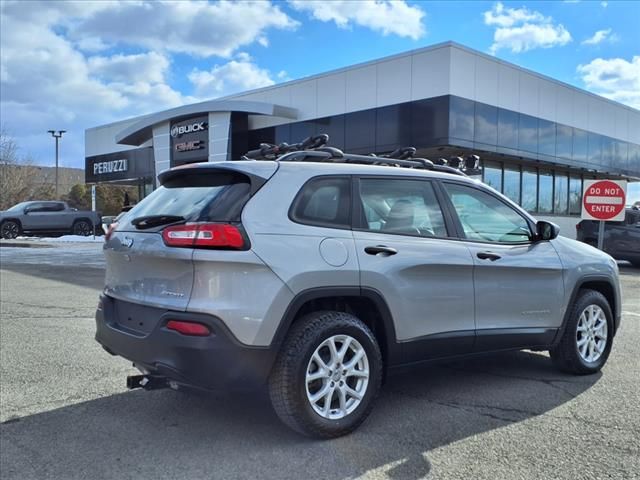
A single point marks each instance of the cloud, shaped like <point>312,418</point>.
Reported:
<point>74,65</point>
<point>601,36</point>
<point>200,29</point>
<point>389,17</point>
<point>615,78</point>
<point>521,29</point>
<point>235,76</point>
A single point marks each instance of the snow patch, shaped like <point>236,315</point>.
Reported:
<point>65,239</point>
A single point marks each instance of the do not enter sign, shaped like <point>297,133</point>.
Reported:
<point>604,200</point>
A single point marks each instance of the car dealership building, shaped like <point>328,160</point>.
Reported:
<point>537,138</point>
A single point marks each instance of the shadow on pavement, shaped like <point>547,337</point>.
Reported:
<point>167,434</point>
<point>90,277</point>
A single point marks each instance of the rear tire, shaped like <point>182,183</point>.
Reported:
<point>327,375</point>
<point>586,342</point>
<point>82,228</point>
<point>10,229</point>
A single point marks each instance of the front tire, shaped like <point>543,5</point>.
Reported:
<point>327,375</point>
<point>10,229</point>
<point>586,342</point>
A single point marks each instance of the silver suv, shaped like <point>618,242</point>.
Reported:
<point>319,272</point>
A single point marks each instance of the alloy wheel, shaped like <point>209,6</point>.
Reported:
<point>337,377</point>
<point>591,333</point>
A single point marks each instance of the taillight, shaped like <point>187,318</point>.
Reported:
<point>188,328</point>
<point>204,235</point>
<point>110,230</point>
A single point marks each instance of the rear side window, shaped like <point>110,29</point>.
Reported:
<point>210,197</point>
<point>401,207</point>
<point>324,201</point>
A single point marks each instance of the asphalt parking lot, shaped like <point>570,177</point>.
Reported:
<point>66,413</point>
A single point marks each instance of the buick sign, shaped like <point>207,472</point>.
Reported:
<point>179,130</point>
<point>111,166</point>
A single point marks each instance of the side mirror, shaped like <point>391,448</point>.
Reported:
<point>27,210</point>
<point>546,230</point>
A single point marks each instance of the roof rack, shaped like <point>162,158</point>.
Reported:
<point>315,149</point>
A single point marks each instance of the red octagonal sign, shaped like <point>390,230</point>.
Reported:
<point>604,200</point>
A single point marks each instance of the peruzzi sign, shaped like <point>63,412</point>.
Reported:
<point>110,166</point>
<point>604,200</point>
<point>179,130</point>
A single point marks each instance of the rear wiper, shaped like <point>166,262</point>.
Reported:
<point>150,221</point>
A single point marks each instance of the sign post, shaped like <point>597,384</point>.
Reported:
<point>93,207</point>
<point>603,200</point>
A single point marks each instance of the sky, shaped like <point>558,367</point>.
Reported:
<point>71,65</point>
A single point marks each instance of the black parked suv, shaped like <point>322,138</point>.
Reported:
<point>621,239</point>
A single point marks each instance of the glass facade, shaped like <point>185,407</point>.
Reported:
<point>452,121</point>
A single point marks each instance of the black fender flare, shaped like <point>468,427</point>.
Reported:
<point>392,347</point>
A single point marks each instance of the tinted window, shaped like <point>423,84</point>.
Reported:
<point>546,137</point>
<point>595,148</point>
<point>486,124</point>
<point>529,190</point>
<point>405,207</point>
<point>507,128</point>
<point>560,194</point>
<point>580,145</point>
<point>564,141</point>
<point>528,133</point>
<point>197,198</point>
<point>485,218</point>
<point>545,192</point>
<point>360,128</point>
<point>575,195</point>
<point>324,201</point>
<point>334,127</point>
<point>492,175</point>
<point>392,127</point>
<point>429,120</point>
<point>461,118</point>
<point>512,183</point>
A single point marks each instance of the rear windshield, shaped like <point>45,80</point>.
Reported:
<point>207,198</point>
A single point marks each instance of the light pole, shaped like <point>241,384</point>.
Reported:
<point>57,135</point>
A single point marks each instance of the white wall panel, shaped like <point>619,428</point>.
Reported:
<point>634,127</point>
<point>361,88</point>
<point>598,115</point>
<point>486,81</point>
<point>580,110</point>
<point>529,93</point>
<point>622,123</point>
<point>394,81</point>
<point>463,73</point>
<point>331,94</point>
<point>430,73</point>
<point>564,105</point>
<point>508,87</point>
<point>547,100</point>
<point>304,99</point>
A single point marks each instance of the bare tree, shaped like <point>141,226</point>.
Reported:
<point>17,174</point>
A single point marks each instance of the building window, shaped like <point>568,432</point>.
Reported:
<point>486,124</point>
<point>564,141</point>
<point>545,192</point>
<point>461,118</point>
<point>575,196</point>
<point>560,194</point>
<point>595,148</point>
<point>492,175</point>
<point>580,145</point>
<point>507,129</point>
<point>529,190</point>
<point>511,183</point>
<point>546,137</point>
<point>528,133</point>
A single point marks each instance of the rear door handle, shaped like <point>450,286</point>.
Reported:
<point>488,256</point>
<point>380,249</point>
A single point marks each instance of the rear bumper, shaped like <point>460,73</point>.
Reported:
<point>213,362</point>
